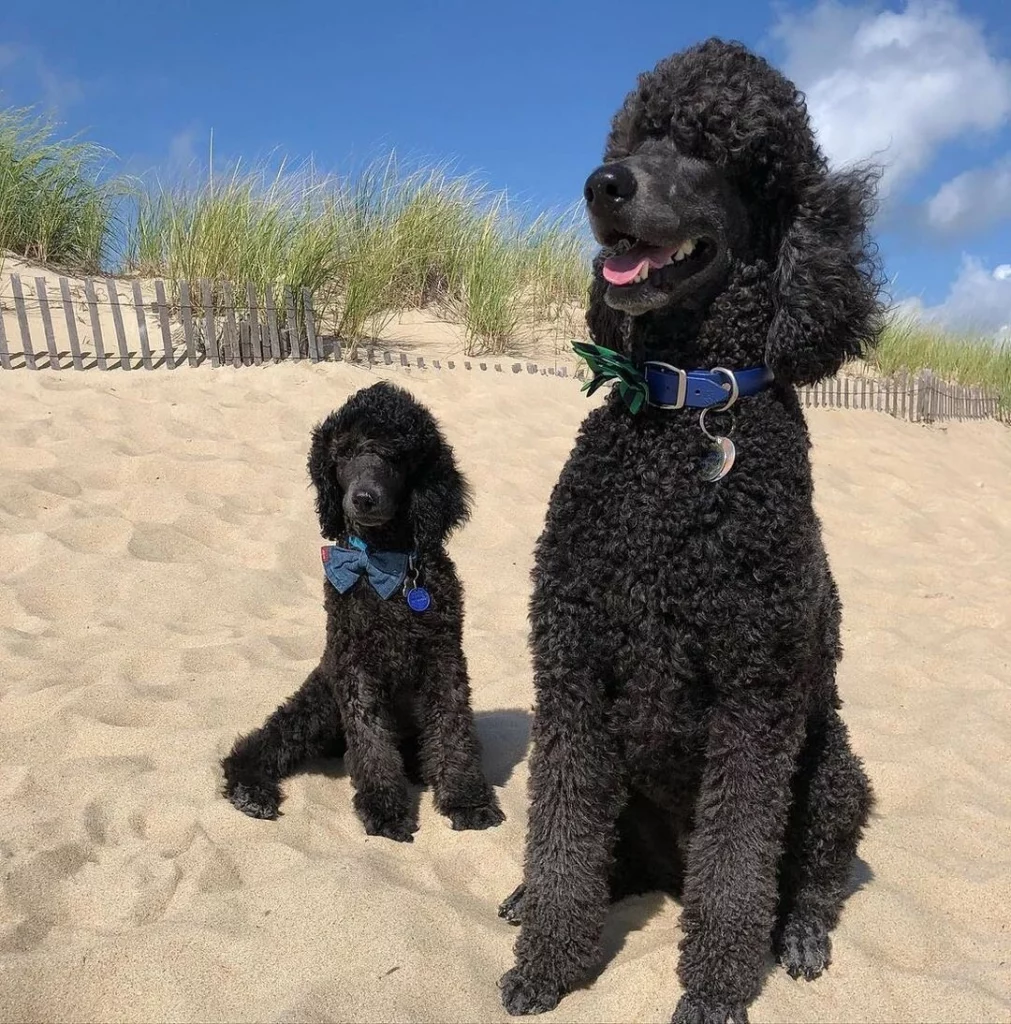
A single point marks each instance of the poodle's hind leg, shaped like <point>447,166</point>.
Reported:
<point>832,802</point>
<point>450,750</point>
<point>307,725</point>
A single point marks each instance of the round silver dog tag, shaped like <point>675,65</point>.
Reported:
<point>719,460</point>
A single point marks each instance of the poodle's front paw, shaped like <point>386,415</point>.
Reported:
<point>259,798</point>
<point>804,948</point>
<point>486,816</point>
<point>692,1010</point>
<point>511,908</point>
<point>522,994</point>
<point>386,819</point>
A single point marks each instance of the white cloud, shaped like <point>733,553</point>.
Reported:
<point>182,153</point>
<point>23,69</point>
<point>894,87</point>
<point>974,199</point>
<point>979,300</point>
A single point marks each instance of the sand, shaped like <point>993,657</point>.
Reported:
<point>161,591</point>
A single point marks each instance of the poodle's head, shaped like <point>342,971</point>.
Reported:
<point>382,470</point>
<point>712,170</point>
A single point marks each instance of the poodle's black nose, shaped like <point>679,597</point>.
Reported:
<point>363,500</point>
<point>608,187</point>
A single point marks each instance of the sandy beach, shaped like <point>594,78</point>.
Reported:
<point>161,592</point>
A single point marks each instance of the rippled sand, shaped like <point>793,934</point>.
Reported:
<point>161,591</point>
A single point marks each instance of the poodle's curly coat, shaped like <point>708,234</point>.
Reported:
<point>685,634</point>
<point>392,683</point>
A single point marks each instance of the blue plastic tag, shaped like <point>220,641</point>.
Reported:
<point>418,599</point>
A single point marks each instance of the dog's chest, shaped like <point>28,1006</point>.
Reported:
<point>385,639</point>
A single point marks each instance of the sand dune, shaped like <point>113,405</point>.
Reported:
<point>161,591</point>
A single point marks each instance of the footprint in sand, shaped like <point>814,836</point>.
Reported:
<point>159,542</point>
<point>52,481</point>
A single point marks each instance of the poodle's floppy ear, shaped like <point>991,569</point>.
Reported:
<point>827,280</point>
<point>321,471</point>
<point>440,501</point>
<point>606,325</point>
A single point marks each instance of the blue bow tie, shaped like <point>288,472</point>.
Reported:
<point>344,567</point>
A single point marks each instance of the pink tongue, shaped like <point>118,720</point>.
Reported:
<point>624,268</point>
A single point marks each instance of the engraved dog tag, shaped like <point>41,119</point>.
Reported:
<point>719,460</point>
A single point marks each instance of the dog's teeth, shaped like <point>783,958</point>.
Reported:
<point>642,275</point>
<point>688,247</point>
<point>678,256</point>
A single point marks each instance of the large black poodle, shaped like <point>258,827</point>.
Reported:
<point>392,683</point>
<point>685,624</point>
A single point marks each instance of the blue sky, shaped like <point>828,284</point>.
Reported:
<point>522,94</point>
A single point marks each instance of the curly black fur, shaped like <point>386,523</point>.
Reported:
<point>685,634</point>
<point>391,682</point>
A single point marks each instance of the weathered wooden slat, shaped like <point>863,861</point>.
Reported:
<point>26,334</point>
<point>117,320</point>
<point>245,343</point>
<point>274,339</point>
<point>145,341</point>
<point>71,319</point>
<point>232,347</point>
<point>294,341</point>
<point>96,324</point>
<point>254,324</point>
<point>310,326</point>
<point>186,312</point>
<point>210,329</point>
<point>165,324</point>
<point>5,355</point>
<point>47,323</point>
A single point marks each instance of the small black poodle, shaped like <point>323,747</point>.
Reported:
<point>685,623</point>
<point>391,692</point>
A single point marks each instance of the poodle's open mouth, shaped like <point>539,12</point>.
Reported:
<point>659,265</point>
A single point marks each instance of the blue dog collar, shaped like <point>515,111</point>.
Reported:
<point>674,388</point>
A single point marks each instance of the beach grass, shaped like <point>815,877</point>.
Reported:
<point>56,208</point>
<point>970,358</point>
<point>367,245</point>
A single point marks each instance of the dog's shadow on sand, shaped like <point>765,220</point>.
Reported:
<point>505,737</point>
